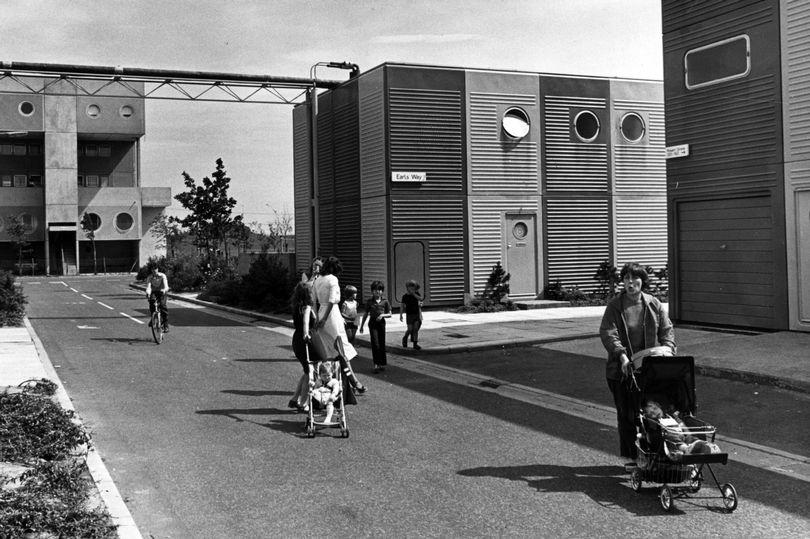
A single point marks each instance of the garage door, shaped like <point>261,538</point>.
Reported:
<point>725,260</point>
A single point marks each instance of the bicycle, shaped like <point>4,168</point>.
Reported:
<point>156,321</point>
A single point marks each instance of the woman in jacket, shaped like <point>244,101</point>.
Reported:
<point>633,321</point>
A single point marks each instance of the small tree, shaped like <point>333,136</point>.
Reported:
<point>608,276</point>
<point>16,229</point>
<point>166,232</point>
<point>89,224</point>
<point>497,286</point>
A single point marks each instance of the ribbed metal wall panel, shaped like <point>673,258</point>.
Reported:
<point>326,155</point>
<point>677,14</point>
<point>439,223</point>
<point>569,165</point>
<point>373,176</point>
<point>374,234</point>
<point>326,229</point>
<point>495,164</point>
<point>797,80</point>
<point>487,233</point>
<point>302,196</point>
<point>348,243</point>
<point>426,135</point>
<point>732,125</point>
<point>577,240</point>
<point>641,231</point>
<point>346,154</point>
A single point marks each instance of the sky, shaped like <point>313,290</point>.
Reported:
<point>613,38</point>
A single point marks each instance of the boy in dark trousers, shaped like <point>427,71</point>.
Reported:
<point>411,306</point>
<point>377,310</point>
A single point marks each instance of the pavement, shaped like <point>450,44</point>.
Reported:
<point>779,358</point>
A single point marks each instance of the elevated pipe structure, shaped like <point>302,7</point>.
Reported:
<point>109,81</point>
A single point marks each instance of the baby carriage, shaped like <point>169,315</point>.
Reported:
<point>664,456</point>
<point>327,397</point>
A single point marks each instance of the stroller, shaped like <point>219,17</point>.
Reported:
<point>337,409</point>
<point>670,381</point>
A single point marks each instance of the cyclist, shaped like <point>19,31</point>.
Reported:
<point>157,286</point>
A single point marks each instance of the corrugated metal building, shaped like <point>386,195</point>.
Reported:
<point>437,173</point>
<point>737,89</point>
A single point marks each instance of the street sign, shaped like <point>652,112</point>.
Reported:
<point>681,150</point>
<point>409,176</point>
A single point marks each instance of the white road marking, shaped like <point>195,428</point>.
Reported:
<point>73,289</point>
<point>131,318</point>
<point>57,282</point>
<point>283,330</point>
<point>86,296</point>
<point>105,305</point>
<point>86,327</point>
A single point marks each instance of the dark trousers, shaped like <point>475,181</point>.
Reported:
<point>625,401</point>
<point>376,334</point>
<point>159,298</point>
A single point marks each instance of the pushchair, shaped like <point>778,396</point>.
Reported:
<point>321,419</point>
<point>670,382</point>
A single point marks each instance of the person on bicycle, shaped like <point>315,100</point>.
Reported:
<point>157,286</point>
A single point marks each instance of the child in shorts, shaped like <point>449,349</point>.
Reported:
<point>411,306</point>
<point>326,389</point>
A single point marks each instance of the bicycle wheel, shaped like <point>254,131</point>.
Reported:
<point>157,327</point>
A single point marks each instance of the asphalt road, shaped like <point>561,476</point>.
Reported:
<point>196,434</point>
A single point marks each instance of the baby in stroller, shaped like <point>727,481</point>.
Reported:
<point>325,389</point>
<point>676,434</point>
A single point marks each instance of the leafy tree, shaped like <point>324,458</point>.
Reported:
<point>209,208</point>
<point>497,286</point>
<point>166,232</point>
<point>16,229</point>
<point>608,276</point>
<point>89,224</point>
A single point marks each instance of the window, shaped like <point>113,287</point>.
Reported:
<point>104,181</point>
<point>26,108</point>
<point>34,149</point>
<point>93,221</point>
<point>632,127</point>
<point>718,62</point>
<point>6,180</point>
<point>586,126</point>
<point>93,111</point>
<point>35,180</point>
<point>20,180</point>
<point>104,150</point>
<point>81,180</point>
<point>91,150</point>
<point>126,111</point>
<point>29,222</point>
<point>6,149</point>
<point>20,149</point>
<point>515,123</point>
<point>91,180</point>
<point>124,222</point>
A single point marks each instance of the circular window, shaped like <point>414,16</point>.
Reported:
<point>586,125</point>
<point>632,127</point>
<point>123,222</point>
<point>126,111</point>
<point>93,111</point>
<point>93,221</point>
<point>515,123</point>
<point>26,108</point>
<point>520,230</point>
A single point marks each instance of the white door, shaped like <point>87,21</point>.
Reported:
<point>521,254</point>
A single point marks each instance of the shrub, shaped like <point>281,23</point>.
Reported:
<point>183,272</point>
<point>608,277</point>
<point>497,287</point>
<point>224,291</point>
<point>12,301</point>
<point>267,285</point>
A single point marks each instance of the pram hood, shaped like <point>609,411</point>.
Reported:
<point>670,381</point>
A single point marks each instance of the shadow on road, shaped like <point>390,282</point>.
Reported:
<point>282,425</point>
<point>145,341</point>
<point>255,393</point>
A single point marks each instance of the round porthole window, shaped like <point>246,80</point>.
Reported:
<point>586,125</point>
<point>632,127</point>
<point>93,221</point>
<point>93,111</point>
<point>126,111</point>
<point>520,230</point>
<point>515,123</point>
<point>123,222</point>
<point>26,108</point>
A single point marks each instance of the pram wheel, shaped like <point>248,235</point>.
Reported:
<point>635,480</point>
<point>729,496</point>
<point>665,497</point>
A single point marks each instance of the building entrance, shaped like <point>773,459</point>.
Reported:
<point>521,255</point>
<point>62,253</point>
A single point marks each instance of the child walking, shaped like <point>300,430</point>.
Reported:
<point>411,306</point>
<point>348,309</point>
<point>377,310</point>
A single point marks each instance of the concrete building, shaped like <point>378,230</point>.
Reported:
<point>438,173</point>
<point>62,156</point>
<point>737,91</point>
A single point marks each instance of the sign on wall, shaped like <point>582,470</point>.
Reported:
<point>409,176</point>
<point>681,150</point>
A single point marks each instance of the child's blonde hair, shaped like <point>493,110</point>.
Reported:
<point>326,367</point>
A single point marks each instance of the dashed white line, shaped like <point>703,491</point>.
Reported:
<point>73,289</point>
<point>105,305</point>
<point>86,296</point>
<point>131,318</point>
